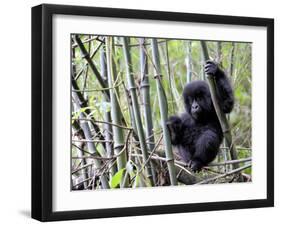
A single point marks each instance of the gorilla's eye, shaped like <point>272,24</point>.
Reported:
<point>199,98</point>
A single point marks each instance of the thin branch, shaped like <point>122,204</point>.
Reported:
<point>93,156</point>
<point>85,41</point>
<point>110,123</point>
<point>151,153</point>
<point>156,157</point>
<point>230,162</point>
<point>97,90</point>
<point>91,141</point>
<point>82,167</point>
<point>237,170</point>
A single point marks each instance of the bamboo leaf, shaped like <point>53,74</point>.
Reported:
<point>117,178</point>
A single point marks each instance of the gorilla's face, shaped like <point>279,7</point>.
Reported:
<point>195,109</point>
<point>197,99</point>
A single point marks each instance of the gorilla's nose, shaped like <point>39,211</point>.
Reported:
<point>195,106</point>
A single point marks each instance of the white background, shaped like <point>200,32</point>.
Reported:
<point>63,199</point>
<point>15,112</point>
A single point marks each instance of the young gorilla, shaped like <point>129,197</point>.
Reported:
<point>197,133</point>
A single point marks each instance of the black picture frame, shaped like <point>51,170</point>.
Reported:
<point>42,111</point>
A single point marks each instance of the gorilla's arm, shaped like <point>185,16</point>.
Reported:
<point>175,127</point>
<point>224,89</point>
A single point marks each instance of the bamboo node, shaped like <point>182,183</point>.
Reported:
<point>85,55</point>
<point>170,160</point>
<point>131,88</point>
<point>226,130</point>
<point>144,85</point>
<point>116,146</point>
<point>158,76</point>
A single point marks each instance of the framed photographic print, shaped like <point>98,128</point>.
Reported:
<point>146,112</point>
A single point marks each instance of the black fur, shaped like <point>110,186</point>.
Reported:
<point>197,133</point>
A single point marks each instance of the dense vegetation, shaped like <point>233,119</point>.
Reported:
<point>123,90</point>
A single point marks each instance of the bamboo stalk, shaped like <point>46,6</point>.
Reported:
<point>131,113</point>
<point>136,110</point>
<point>118,136</point>
<point>168,69</point>
<point>219,52</point>
<point>188,61</point>
<point>107,118</point>
<point>85,84</point>
<point>202,59</point>
<point>221,116</point>
<point>164,113</point>
<point>231,59</point>
<point>145,92</point>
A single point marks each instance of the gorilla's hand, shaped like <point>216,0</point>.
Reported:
<point>195,166</point>
<point>211,67</point>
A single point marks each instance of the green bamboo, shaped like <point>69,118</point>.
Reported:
<point>145,92</point>
<point>118,135</point>
<point>202,57</point>
<point>221,116</point>
<point>219,52</point>
<point>231,59</point>
<point>136,110</point>
<point>167,58</point>
<point>164,113</point>
<point>131,113</point>
<point>188,62</point>
<point>107,118</point>
<point>222,153</point>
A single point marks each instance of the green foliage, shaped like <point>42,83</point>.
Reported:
<point>117,178</point>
